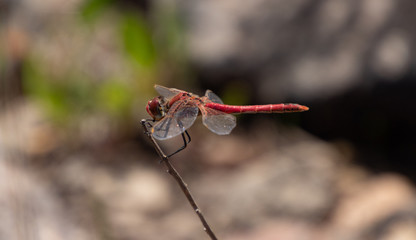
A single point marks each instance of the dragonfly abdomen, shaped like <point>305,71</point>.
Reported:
<point>269,108</point>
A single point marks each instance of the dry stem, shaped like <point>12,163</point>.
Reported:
<point>172,171</point>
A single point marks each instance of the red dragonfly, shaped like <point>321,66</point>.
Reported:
<point>176,110</point>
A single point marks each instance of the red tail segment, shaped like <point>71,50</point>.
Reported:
<point>269,108</point>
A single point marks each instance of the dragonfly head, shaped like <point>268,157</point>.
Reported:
<point>157,108</point>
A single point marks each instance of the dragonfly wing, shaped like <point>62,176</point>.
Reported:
<point>175,122</point>
<point>167,92</point>
<point>218,122</point>
<point>213,97</point>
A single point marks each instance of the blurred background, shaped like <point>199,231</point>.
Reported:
<point>75,77</point>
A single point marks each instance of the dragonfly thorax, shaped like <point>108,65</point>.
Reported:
<point>157,108</point>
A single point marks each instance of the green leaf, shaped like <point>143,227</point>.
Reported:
<point>137,40</point>
<point>91,9</point>
<point>114,97</point>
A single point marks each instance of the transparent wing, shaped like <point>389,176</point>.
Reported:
<point>179,118</point>
<point>213,97</point>
<point>218,122</point>
<point>167,92</point>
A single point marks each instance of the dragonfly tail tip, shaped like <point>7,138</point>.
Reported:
<point>304,108</point>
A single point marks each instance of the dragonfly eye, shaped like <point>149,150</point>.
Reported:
<point>156,108</point>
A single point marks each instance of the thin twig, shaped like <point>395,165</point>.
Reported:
<point>172,171</point>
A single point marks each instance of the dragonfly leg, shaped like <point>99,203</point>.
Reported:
<point>147,121</point>
<point>185,143</point>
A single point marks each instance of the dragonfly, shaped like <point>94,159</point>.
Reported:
<point>174,111</point>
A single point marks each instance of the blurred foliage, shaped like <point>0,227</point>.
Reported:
<point>137,41</point>
<point>67,98</point>
<point>61,99</point>
<point>91,9</point>
<point>114,97</point>
<point>148,50</point>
